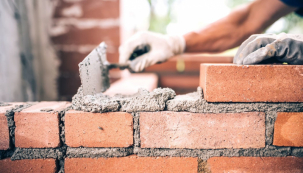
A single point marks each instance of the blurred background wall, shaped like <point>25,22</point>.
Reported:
<point>28,62</point>
<point>78,27</point>
<point>42,41</point>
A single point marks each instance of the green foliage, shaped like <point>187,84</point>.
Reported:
<point>159,23</point>
<point>234,3</point>
<point>292,22</point>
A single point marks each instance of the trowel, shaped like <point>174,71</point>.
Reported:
<point>94,68</point>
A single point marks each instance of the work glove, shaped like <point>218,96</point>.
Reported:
<point>159,48</point>
<point>271,48</point>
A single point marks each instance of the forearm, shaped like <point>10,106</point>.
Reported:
<point>233,29</point>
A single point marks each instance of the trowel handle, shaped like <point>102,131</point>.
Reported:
<point>139,50</point>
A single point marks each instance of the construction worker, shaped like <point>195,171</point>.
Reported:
<point>224,34</point>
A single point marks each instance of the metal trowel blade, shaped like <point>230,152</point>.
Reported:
<point>94,71</point>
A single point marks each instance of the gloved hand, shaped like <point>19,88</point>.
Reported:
<point>260,48</point>
<point>162,47</point>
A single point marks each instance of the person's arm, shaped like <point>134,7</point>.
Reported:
<point>233,29</point>
<point>219,36</point>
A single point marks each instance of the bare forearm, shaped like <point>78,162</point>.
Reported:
<point>233,29</point>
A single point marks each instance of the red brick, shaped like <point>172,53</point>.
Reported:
<point>92,36</point>
<point>90,9</point>
<point>181,84</point>
<point>132,164</point>
<point>34,166</point>
<point>180,81</point>
<point>114,129</point>
<point>207,131</point>
<point>256,164</point>
<point>289,129</point>
<point>4,131</point>
<point>130,84</point>
<point>252,83</point>
<point>39,129</point>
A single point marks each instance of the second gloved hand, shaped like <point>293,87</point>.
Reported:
<point>270,47</point>
<point>162,47</point>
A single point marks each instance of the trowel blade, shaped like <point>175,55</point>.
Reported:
<point>94,71</point>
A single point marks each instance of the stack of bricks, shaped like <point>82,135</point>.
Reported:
<point>250,120</point>
<point>78,27</point>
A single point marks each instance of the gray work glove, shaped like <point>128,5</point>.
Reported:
<point>271,48</point>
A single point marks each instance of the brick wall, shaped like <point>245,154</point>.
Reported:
<point>188,135</point>
<point>78,27</point>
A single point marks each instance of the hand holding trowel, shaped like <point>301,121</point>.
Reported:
<point>140,51</point>
<point>94,69</point>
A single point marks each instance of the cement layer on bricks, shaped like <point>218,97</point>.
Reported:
<point>268,151</point>
<point>114,129</point>
<point>98,152</point>
<point>205,131</point>
<point>38,125</point>
<point>252,83</point>
<point>36,165</point>
<point>4,129</point>
<point>288,129</point>
<point>131,164</point>
<point>255,164</point>
<point>9,106</point>
<point>38,153</point>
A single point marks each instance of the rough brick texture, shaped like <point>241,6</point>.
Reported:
<point>289,129</point>
<point>114,129</point>
<point>4,131</point>
<point>38,125</point>
<point>195,130</point>
<point>132,164</point>
<point>33,166</point>
<point>256,164</point>
<point>253,83</point>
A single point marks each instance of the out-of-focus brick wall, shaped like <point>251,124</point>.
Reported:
<point>79,26</point>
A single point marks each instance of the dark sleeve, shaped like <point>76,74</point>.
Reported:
<point>295,3</point>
